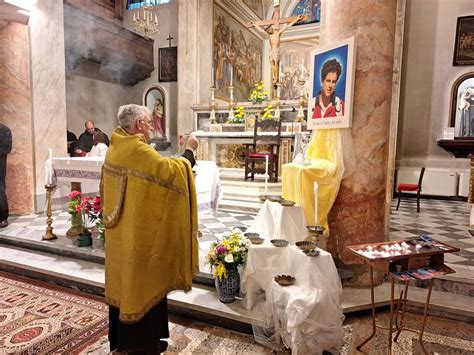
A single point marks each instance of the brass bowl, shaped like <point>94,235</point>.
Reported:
<point>284,280</point>
<point>279,242</point>
<point>256,240</point>
<point>315,229</point>
<point>306,245</point>
<point>251,235</point>
<point>311,252</point>
<point>242,229</point>
<point>286,203</point>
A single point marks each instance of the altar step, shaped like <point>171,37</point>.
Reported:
<point>202,302</point>
<point>243,196</point>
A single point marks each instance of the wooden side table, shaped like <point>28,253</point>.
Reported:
<point>404,260</point>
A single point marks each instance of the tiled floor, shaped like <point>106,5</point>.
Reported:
<point>446,221</point>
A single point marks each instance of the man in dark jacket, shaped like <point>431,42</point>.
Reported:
<point>85,141</point>
<point>5,149</point>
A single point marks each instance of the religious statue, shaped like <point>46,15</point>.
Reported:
<point>466,106</point>
<point>273,30</point>
<point>158,120</point>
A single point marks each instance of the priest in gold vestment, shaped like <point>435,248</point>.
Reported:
<point>150,215</point>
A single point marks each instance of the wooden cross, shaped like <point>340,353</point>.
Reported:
<point>169,39</point>
<point>271,28</point>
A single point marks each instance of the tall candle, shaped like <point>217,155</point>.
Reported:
<point>213,79</point>
<point>156,19</point>
<point>231,75</point>
<point>316,221</point>
<point>266,173</point>
<point>50,153</point>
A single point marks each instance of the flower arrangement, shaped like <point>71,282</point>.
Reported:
<point>239,115</point>
<point>259,93</point>
<point>267,113</point>
<point>88,209</point>
<point>228,252</point>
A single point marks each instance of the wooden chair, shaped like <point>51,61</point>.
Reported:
<point>411,187</point>
<point>266,143</point>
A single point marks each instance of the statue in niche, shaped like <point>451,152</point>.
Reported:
<point>154,99</point>
<point>158,120</point>
<point>466,106</point>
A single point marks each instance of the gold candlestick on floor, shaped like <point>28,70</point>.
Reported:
<point>49,235</point>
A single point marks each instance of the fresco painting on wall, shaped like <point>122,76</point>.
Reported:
<point>294,65</point>
<point>464,41</point>
<point>331,85</point>
<point>310,8</point>
<point>236,52</point>
<point>256,6</point>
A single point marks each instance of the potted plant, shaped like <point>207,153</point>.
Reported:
<point>95,215</point>
<point>76,219</point>
<point>223,257</point>
<point>84,238</point>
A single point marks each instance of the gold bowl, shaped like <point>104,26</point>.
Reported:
<point>284,280</point>
<point>251,235</point>
<point>311,252</point>
<point>242,228</point>
<point>306,245</point>
<point>256,240</point>
<point>286,203</point>
<point>279,242</point>
<point>315,229</point>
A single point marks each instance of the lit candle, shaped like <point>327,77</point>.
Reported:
<point>316,221</point>
<point>266,173</point>
<point>231,75</point>
<point>49,168</point>
<point>156,19</point>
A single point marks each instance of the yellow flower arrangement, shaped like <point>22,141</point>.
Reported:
<point>259,93</point>
<point>267,113</point>
<point>239,115</point>
<point>228,252</point>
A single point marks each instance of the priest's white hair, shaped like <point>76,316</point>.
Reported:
<point>128,114</point>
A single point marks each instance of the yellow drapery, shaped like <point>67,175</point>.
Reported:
<point>326,168</point>
<point>150,213</point>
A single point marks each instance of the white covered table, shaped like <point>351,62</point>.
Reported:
<point>275,221</point>
<point>306,316</point>
<point>65,170</point>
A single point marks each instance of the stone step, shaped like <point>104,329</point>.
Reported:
<point>236,174</point>
<point>202,302</point>
<point>239,206</point>
<point>460,283</point>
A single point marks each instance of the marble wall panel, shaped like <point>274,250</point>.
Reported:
<point>15,112</point>
<point>48,86</point>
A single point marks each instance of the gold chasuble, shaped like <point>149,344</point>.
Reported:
<point>150,215</point>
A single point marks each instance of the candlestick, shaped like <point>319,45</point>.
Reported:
<point>300,114</point>
<point>212,116</point>
<point>316,220</point>
<point>49,235</point>
<point>266,173</point>
<point>231,117</point>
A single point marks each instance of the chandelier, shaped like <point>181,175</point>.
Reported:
<point>146,24</point>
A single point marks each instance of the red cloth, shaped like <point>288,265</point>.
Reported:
<point>260,155</point>
<point>408,187</point>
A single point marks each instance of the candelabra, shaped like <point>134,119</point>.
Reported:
<point>146,25</point>
<point>277,99</point>
<point>231,104</point>
<point>300,114</point>
<point>212,116</point>
<point>49,235</point>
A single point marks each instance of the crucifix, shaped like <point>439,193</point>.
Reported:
<point>273,30</point>
<point>169,40</point>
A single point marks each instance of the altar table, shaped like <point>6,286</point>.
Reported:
<point>306,316</point>
<point>275,221</point>
<point>88,170</point>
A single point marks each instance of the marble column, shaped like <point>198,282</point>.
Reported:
<point>358,216</point>
<point>48,78</point>
<point>15,112</point>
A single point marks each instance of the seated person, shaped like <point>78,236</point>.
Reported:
<point>71,143</point>
<point>85,141</point>
<point>99,148</point>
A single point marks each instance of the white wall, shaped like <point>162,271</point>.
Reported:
<point>89,97</point>
<point>427,78</point>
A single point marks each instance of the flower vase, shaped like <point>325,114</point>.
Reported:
<point>228,287</point>
<point>76,225</point>
<point>84,238</point>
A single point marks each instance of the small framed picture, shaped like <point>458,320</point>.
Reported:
<point>168,64</point>
<point>464,41</point>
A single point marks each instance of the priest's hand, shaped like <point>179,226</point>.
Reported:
<point>193,143</point>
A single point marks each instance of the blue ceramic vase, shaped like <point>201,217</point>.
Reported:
<point>228,287</point>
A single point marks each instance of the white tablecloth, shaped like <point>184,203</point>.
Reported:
<point>306,316</point>
<point>88,170</point>
<point>275,221</point>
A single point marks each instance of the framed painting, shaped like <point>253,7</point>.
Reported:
<point>154,98</point>
<point>168,64</point>
<point>256,6</point>
<point>464,41</point>
<point>462,107</point>
<point>237,57</point>
<point>331,85</point>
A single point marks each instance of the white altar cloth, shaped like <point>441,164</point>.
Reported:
<point>275,221</point>
<point>88,170</point>
<point>306,316</point>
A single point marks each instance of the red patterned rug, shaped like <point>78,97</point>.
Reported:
<point>39,320</point>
